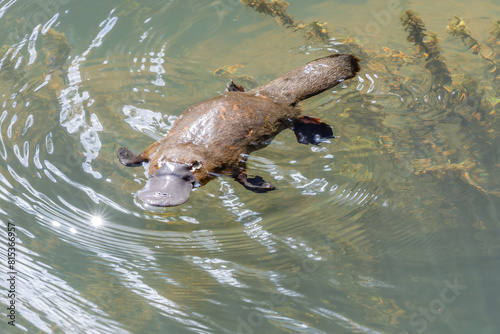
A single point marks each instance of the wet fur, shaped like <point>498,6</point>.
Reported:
<point>215,136</point>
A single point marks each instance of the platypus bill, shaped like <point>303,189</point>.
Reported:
<point>215,136</point>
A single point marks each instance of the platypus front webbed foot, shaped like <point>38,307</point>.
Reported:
<point>129,158</point>
<point>232,87</point>
<point>255,184</point>
<point>310,130</point>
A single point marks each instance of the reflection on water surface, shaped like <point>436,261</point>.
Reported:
<point>391,228</point>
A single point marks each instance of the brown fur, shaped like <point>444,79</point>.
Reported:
<point>311,79</point>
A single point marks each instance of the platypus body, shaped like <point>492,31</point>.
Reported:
<point>214,137</point>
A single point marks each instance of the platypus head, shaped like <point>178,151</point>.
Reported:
<point>169,185</point>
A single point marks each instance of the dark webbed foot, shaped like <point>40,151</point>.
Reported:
<point>310,130</point>
<point>255,184</point>
<point>129,158</point>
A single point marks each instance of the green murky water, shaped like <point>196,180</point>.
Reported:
<point>391,228</point>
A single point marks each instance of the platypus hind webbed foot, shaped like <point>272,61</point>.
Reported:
<point>129,158</point>
<point>255,184</point>
<point>310,130</point>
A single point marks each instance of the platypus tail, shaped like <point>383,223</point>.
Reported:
<point>311,79</point>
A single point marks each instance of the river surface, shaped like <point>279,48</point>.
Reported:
<point>391,228</point>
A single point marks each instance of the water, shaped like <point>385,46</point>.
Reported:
<point>392,228</point>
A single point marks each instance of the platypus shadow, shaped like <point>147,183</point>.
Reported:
<point>215,136</point>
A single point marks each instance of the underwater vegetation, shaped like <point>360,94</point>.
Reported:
<point>278,10</point>
<point>442,99</point>
<point>436,124</point>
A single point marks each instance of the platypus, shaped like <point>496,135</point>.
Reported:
<point>215,137</point>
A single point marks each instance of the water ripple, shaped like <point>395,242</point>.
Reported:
<point>334,249</point>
